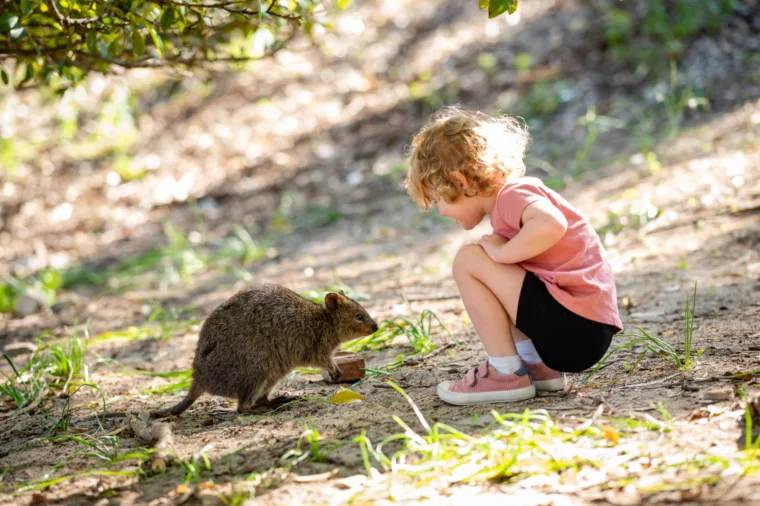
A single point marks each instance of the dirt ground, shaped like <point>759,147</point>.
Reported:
<point>693,217</point>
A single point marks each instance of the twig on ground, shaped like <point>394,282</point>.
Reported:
<point>159,434</point>
<point>655,382</point>
<point>312,478</point>
<point>29,407</point>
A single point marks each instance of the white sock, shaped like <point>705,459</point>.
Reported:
<point>506,365</point>
<point>528,352</point>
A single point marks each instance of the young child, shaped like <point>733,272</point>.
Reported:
<point>539,290</point>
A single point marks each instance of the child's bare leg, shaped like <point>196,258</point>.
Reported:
<point>490,292</point>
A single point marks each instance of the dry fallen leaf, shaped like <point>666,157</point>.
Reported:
<point>345,395</point>
<point>610,433</point>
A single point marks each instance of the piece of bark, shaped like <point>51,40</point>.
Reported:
<point>159,434</point>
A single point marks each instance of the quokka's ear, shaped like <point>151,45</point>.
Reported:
<point>332,301</point>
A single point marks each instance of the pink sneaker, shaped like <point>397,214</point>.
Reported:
<point>483,384</point>
<point>546,379</point>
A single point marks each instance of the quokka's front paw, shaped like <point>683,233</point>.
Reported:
<point>334,375</point>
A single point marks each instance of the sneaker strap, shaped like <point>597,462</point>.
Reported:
<point>473,374</point>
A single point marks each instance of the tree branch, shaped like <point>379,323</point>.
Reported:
<point>224,6</point>
<point>66,21</point>
<point>12,51</point>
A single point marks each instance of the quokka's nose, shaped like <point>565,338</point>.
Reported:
<point>374,327</point>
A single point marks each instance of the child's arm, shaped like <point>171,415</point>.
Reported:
<point>543,225</point>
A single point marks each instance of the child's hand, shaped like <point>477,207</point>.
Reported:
<point>491,242</point>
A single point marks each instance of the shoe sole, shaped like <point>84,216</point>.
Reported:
<point>466,399</point>
<point>552,385</point>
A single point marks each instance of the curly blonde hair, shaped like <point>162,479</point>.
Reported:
<point>487,150</point>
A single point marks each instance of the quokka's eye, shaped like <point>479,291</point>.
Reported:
<point>360,317</point>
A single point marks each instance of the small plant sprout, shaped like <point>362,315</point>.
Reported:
<point>657,346</point>
<point>50,365</point>
<point>195,465</point>
<point>688,318</point>
<point>418,333</point>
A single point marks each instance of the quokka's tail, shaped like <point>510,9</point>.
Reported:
<point>181,406</point>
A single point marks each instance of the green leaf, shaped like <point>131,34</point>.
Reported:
<point>157,41</point>
<point>17,33</point>
<point>167,19</point>
<point>26,6</point>
<point>498,7</point>
<point>28,74</point>
<point>51,279</point>
<point>342,4</point>
<point>91,41</point>
<point>114,48</point>
<point>4,76</point>
<point>7,298</point>
<point>138,43</point>
<point>482,4</point>
<point>8,21</point>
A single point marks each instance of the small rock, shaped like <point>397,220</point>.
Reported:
<point>26,305</point>
<point>64,303</point>
<point>719,394</point>
<point>38,499</point>
<point>18,348</point>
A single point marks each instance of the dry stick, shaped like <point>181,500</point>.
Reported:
<point>28,408</point>
<point>597,413</point>
<point>655,382</point>
<point>157,433</point>
<point>659,382</point>
<point>312,478</point>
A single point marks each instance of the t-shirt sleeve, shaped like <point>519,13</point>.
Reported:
<point>511,203</point>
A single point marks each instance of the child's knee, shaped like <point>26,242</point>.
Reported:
<point>466,259</point>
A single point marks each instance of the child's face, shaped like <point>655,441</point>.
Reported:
<point>467,211</point>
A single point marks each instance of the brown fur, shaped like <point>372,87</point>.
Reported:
<point>254,339</point>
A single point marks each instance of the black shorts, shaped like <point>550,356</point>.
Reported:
<point>565,341</point>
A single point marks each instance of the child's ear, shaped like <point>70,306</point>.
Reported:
<point>458,179</point>
<point>332,301</point>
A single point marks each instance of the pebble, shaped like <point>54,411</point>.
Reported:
<point>26,305</point>
<point>719,394</point>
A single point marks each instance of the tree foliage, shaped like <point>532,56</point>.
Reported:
<point>58,42</point>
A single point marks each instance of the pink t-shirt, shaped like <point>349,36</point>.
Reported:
<point>575,270</point>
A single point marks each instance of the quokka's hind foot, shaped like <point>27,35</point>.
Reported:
<point>281,400</point>
<point>265,405</point>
